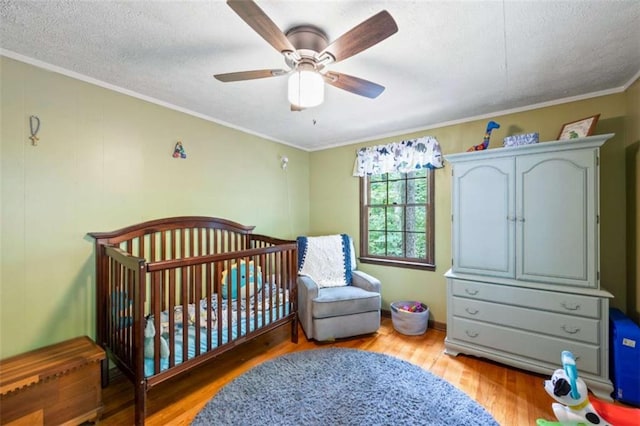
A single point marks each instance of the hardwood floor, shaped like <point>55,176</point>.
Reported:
<point>512,396</point>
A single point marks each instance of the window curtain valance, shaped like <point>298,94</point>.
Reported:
<point>403,157</point>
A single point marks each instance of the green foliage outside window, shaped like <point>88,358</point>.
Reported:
<point>398,208</point>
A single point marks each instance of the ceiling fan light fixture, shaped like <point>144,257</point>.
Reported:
<point>306,88</point>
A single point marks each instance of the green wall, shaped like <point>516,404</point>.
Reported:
<point>335,204</point>
<point>104,161</point>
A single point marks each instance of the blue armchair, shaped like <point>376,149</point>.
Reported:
<point>335,310</point>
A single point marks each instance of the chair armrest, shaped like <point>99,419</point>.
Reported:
<point>307,291</point>
<point>307,287</point>
<point>366,281</point>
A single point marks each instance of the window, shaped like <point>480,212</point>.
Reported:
<point>396,219</point>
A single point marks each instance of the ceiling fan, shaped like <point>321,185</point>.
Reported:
<point>307,53</point>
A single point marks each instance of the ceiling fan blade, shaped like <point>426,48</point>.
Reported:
<point>262,24</point>
<point>353,84</point>
<point>362,36</point>
<point>249,75</point>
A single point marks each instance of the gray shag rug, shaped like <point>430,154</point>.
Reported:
<point>340,387</point>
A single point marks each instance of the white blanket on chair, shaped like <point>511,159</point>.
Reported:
<point>326,260</point>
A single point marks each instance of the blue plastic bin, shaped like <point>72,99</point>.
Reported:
<point>624,357</point>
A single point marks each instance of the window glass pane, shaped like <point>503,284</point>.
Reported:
<point>417,173</point>
<point>394,176</point>
<point>377,178</point>
<point>378,193</point>
<point>416,219</point>
<point>416,191</point>
<point>395,218</point>
<point>376,219</point>
<point>397,192</point>
<point>416,245</point>
<point>377,245</point>
<point>394,244</point>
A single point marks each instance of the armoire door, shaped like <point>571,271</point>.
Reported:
<point>483,214</point>
<point>556,220</point>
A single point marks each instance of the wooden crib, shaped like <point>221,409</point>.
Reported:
<point>203,284</point>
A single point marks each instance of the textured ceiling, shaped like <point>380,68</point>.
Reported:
<point>449,60</point>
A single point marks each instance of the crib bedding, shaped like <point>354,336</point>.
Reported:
<point>253,307</point>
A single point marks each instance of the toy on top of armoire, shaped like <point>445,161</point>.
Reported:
<point>574,407</point>
<point>491,125</point>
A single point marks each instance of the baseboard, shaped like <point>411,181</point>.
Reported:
<point>432,324</point>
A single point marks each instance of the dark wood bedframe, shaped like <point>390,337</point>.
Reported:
<point>152,270</point>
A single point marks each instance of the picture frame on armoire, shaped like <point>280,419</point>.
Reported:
<point>579,128</point>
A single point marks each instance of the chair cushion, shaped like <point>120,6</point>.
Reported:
<point>338,301</point>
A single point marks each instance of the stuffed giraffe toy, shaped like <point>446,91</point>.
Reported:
<point>485,142</point>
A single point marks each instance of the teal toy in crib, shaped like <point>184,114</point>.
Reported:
<point>247,278</point>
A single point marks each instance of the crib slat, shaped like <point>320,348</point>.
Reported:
<point>220,266</point>
<point>197,278</point>
<point>191,233</point>
<point>162,237</point>
<point>152,247</point>
<point>174,249</point>
<point>156,300</point>
<point>184,301</point>
<point>246,300</point>
<point>172,319</point>
<point>209,274</point>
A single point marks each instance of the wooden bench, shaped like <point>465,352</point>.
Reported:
<point>55,385</point>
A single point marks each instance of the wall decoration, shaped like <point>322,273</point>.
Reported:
<point>178,151</point>
<point>34,127</point>
<point>579,128</point>
<point>487,135</point>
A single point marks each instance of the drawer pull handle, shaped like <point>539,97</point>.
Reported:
<point>571,330</point>
<point>471,291</point>
<point>570,307</point>
<point>471,334</point>
<point>471,311</point>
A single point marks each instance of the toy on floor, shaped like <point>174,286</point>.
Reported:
<point>573,406</point>
<point>570,392</point>
<point>485,141</point>
<point>618,415</point>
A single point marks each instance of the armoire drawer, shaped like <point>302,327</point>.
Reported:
<point>572,304</point>
<point>524,344</point>
<point>564,326</point>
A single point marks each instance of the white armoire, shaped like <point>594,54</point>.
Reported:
<point>525,278</point>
